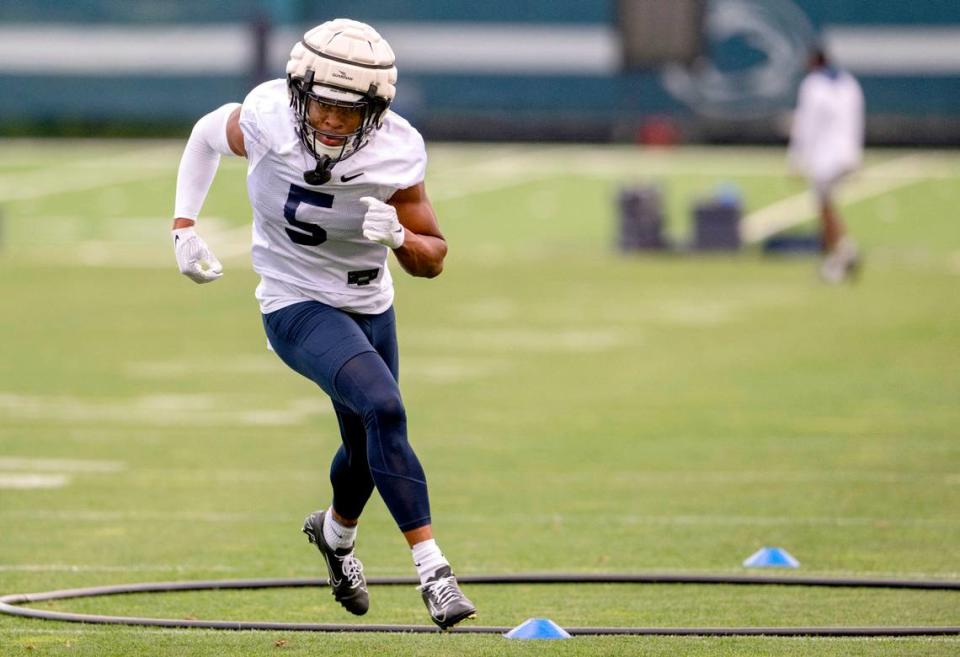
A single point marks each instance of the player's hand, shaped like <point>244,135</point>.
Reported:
<point>381,224</point>
<point>194,257</point>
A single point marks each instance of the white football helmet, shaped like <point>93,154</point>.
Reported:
<point>345,64</point>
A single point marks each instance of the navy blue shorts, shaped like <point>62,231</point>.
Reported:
<point>353,358</point>
<point>317,340</point>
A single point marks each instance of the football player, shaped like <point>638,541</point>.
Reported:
<point>335,180</point>
<point>826,144</point>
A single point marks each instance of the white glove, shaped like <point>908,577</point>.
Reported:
<point>194,257</point>
<point>380,223</point>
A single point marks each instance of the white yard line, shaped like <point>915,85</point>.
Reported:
<point>452,191</point>
<point>726,520</point>
<point>158,410</point>
<point>488,170</point>
<point>30,480</point>
<point>509,340</point>
<point>92,568</point>
<point>91,173</point>
<point>625,519</point>
<point>59,465</point>
<point>251,364</point>
<point>80,515</point>
<point>788,521</point>
<point>77,183</point>
<point>873,181</point>
<point>134,568</point>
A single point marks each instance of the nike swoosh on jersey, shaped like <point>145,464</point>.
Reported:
<point>349,178</point>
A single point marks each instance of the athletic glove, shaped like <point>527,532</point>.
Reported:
<point>380,223</point>
<point>194,257</point>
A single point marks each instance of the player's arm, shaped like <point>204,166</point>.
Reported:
<point>218,133</point>
<point>408,224</point>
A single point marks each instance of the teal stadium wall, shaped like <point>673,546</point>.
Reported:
<point>534,69</point>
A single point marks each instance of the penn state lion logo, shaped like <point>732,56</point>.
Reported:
<point>777,36</point>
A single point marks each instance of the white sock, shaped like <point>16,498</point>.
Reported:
<point>427,557</point>
<point>336,535</point>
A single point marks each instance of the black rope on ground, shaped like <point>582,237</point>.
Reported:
<point>10,604</point>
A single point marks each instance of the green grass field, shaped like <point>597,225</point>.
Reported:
<point>576,409</point>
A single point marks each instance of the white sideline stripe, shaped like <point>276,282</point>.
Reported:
<point>228,48</point>
<point>24,481</point>
<point>878,50</point>
<point>427,47</point>
<point>544,49</point>
<point>59,465</point>
<point>126,49</point>
<point>874,181</point>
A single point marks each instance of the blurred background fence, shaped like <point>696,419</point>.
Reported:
<point>606,70</point>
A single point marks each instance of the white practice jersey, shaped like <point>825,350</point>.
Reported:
<point>826,139</point>
<point>307,240</point>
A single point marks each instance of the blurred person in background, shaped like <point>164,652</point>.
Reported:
<point>826,145</point>
<point>335,180</point>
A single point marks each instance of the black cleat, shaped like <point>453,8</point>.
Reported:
<point>345,570</point>
<point>445,601</point>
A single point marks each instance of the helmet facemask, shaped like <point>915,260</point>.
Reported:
<point>364,110</point>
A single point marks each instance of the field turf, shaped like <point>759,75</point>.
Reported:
<point>576,409</point>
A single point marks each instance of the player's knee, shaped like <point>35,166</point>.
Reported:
<point>387,410</point>
<point>383,406</point>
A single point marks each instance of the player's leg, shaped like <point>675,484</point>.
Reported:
<point>314,340</point>
<point>334,349</point>
<point>831,226</point>
<point>366,386</point>
<point>397,470</point>
<point>840,253</point>
<point>352,487</point>
<point>349,473</point>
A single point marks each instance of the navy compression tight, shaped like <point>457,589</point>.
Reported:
<point>354,359</point>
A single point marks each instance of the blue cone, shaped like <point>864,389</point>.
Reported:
<point>537,628</point>
<point>771,557</point>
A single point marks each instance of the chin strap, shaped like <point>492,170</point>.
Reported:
<point>321,175</point>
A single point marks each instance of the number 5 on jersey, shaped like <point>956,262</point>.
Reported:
<point>306,234</point>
